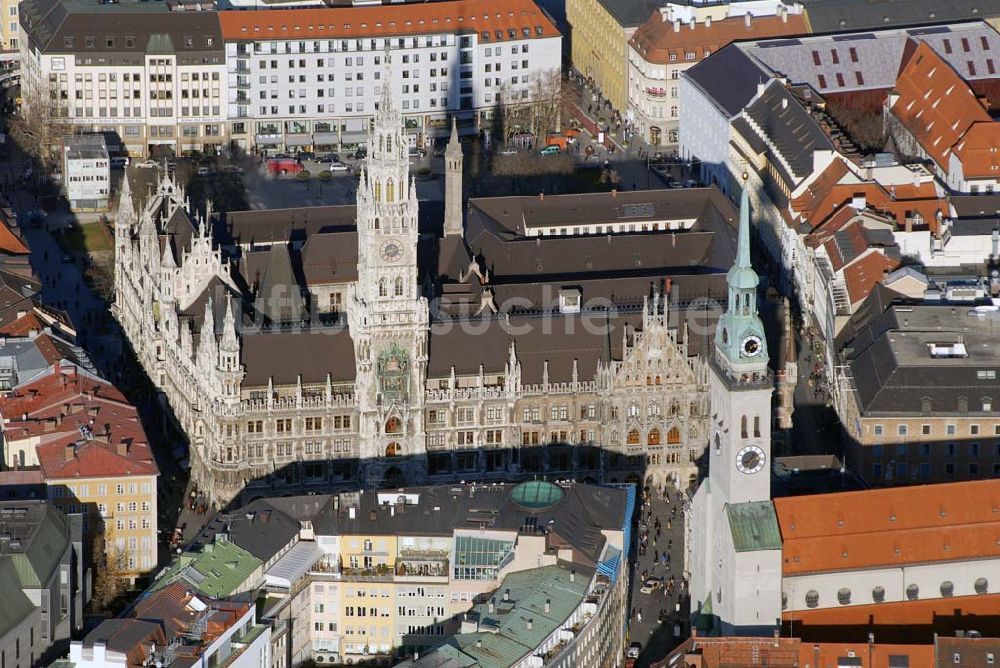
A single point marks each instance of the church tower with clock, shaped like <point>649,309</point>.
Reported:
<point>387,315</point>
<point>735,543</point>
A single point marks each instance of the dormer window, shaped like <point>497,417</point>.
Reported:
<point>569,300</point>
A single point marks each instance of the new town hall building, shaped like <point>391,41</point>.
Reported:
<point>558,334</point>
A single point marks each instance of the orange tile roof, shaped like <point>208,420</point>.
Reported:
<point>720,652</point>
<point>655,40</point>
<point>10,242</point>
<point>979,151</point>
<point>459,16</point>
<point>56,406</point>
<point>922,612</point>
<point>876,655</point>
<point>935,103</point>
<point>24,325</point>
<point>864,273</point>
<point>880,527</point>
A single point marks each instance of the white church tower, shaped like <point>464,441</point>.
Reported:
<point>735,542</point>
<point>387,315</point>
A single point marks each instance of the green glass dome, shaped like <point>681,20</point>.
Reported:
<point>537,494</point>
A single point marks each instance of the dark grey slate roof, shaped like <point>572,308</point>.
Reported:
<point>279,294</point>
<point>576,521</point>
<point>121,32</point>
<point>285,355</point>
<point>976,206</point>
<point>894,371</point>
<point>259,528</point>
<point>789,128</point>
<point>840,15</point>
<point>631,13</point>
<point>729,78</point>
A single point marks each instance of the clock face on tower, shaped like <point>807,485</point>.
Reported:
<point>752,345</point>
<point>750,459</point>
<point>391,251</point>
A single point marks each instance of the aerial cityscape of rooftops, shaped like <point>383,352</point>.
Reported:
<point>499,333</point>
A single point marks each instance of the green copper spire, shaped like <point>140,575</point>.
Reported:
<point>739,336</point>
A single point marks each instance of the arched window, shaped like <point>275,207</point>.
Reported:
<point>743,426</point>
<point>878,594</point>
<point>659,381</point>
<point>390,191</point>
<point>654,437</point>
<point>633,437</point>
<point>912,592</point>
<point>393,450</point>
<point>756,426</point>
<point>812,598</point>
<point>376,223</point>
<point>649,380</point>
<point>844,596</point>
<point>399,286</point>
<point>378,192</point>
<point>381,288</point>
<point>673,436</point>
<point>393,426</point>
<point>675,407</point>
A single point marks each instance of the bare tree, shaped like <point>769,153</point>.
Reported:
<point>38,126</point>
<point>109,565</point>
<point>536,109</point>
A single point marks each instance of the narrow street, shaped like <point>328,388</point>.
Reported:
<point>658,619</point>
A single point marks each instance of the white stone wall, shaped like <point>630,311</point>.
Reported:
<point>894,580</point>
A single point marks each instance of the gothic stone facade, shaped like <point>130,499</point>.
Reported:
<point>344,344</point>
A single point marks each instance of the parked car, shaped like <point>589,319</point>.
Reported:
<point>550,150</point>
<point>338,167</point>
<point>360,154</point>
<point>329,157</point>
<point>306,155</point>
<point>204,170</point>
<point>284,166</point>
<point>232,169</point>
<point>119,162</point>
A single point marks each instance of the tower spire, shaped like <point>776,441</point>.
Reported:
<point>453,183</point>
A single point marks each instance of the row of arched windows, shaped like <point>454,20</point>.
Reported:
<point>390,191</point>
<point>397,289</point>
<point>653,437</point>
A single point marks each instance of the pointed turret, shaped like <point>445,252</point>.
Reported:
<point>453,183</point>
<point>206,344</point>
<point>739,336</point>
<point>125,214</point>
<point>230,343</point>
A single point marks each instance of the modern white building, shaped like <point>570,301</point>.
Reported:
<point>312,77</point>
<point>150,76</point>
<point>86,172</point>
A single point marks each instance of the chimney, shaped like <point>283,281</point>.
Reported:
<point>614,192</point>
<point>479,642</point>
<point>572,576</point>
<point>70,451</point>
<point>747,20</point>
<point>492,606</point>
<point>708,21</point>
<point>784,103</point>
<point>506,594</point>
<point>677,25</point>
<point>784,13</point>
<point>777,636</point>
<point>529,624</point>
<point>541,196</point>
<point>692,23</point>
<point>908,225</point>
<point>548,606</point>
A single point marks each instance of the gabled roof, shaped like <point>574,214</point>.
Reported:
<point>935,104</point>
<point>889,527</point>
<point>979,150</point>
<point>656,40</point>
<point>461,16</point>
<point>16,605</point>
<point>840,15</point>
<point>729,79</point>
<point>39,536</point>
<point>218,569</point>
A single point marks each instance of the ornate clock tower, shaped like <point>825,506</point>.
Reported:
<point>387,316</point>
<point>735,543</point>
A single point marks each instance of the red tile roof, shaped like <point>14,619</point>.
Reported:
<point>887,527</point>
<point>922,612</point>
<point>11,243</point>
<point>864,273</point>
<point>458,16</point>
<point>876,655</point>
<point>979,151</point>
<point>935,103</point>
<point>716,652</point>
<point>655,40</point>
<point>27,323</point>
<point>59,407</point>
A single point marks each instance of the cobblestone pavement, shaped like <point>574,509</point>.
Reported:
<point>657,620</point>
